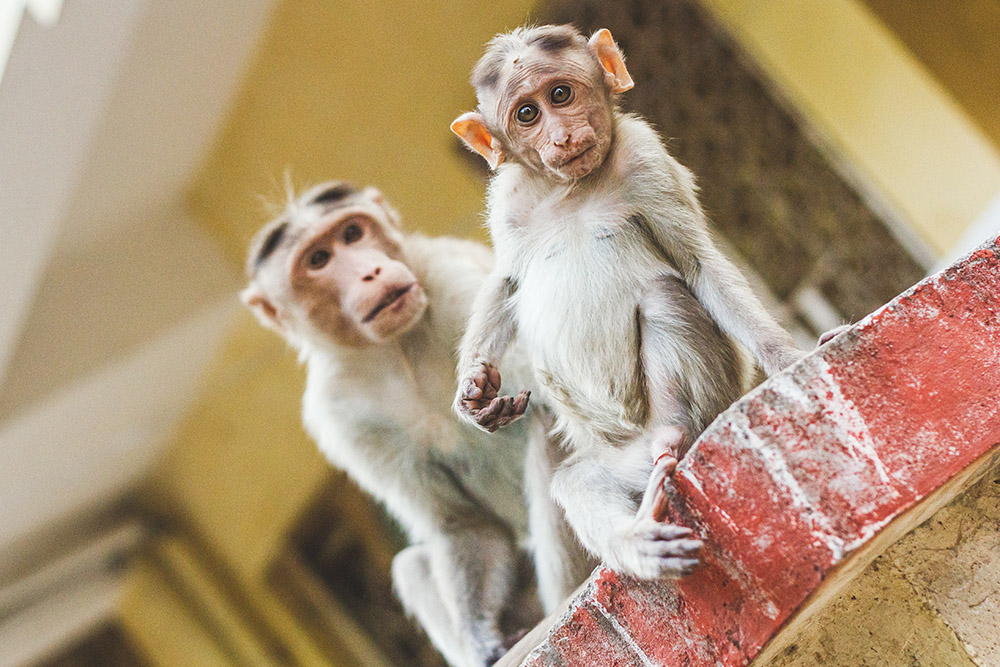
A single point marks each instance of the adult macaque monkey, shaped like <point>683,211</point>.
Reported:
<point>605,268</point>
<point>377,315</point>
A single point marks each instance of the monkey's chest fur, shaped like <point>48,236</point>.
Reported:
<point>580,284</point>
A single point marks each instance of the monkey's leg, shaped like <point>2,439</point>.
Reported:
<point>561,563</point>
<point>599,505</point>
<point>411,577</point>
<point>475,569</point>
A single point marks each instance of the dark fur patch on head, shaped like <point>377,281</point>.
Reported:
<point>488,79</point>
<point>334,194</point>
<point>269,245</point>
<point>554,41</point>
<point>488,71</point>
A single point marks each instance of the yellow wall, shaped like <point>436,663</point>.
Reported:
<point>877,105</point>
<point>959,42</point>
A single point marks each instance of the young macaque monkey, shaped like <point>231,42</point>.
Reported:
<point>376,315</point>
<point>605,268</point>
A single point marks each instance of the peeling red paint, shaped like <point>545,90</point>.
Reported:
<point>803,471</point>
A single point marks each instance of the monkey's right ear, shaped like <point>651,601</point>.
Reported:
<point>472,130</point>
<point>612,61</point>
<point>263,309</point>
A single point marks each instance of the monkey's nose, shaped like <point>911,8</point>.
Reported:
<point>371,276</point>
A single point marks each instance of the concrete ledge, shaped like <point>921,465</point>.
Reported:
<point>804,481</point>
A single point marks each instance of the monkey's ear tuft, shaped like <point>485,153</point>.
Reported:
<point>612,60</point>
<point>262,308</point>
<point>374,194</point>
<point>472,130</point>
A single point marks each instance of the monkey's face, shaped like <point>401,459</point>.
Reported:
<point>332,271</point>
<point>351,283</point>
<point>560,121</point>
<point>546,100</point>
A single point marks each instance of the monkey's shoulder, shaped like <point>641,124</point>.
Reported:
<point>641,161</point>
<point>448,255</point>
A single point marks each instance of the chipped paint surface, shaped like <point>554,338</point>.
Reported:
<point>805,470</point>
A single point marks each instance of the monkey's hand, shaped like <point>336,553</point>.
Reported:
<point>479,402</point>
<point>651,549</point>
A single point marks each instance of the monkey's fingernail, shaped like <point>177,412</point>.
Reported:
<point>473,392</point>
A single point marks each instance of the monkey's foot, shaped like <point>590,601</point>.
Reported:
<point>479,401</point>
<point>665,442</point>
<point>653,550</point>
<point>654,499</point>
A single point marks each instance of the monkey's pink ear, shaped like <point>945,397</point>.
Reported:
<point>612,60</point>
<point>472,130</point>
<point>262,308</point>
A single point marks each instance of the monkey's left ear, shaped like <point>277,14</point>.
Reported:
<point>262,308</point>
<point>472,130</point>
<point>611,60</point>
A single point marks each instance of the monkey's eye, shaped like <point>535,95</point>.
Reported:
<point>527,113</point>
<point>318,259</point>
<point>353,233</point>
<point>561,94</point>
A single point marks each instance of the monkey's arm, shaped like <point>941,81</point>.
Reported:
<point>680,231</point>
<point>727,296</point>
<point>670,216</point>
<point>490,330</point>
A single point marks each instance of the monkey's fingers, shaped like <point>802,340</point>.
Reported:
<point>679,567</point>
<point>666,532</point>
<point>502,411</point>
<point>472,390</point>
<point>654,499</point>
<point>673,548</point>
<point>521,403</point>
<point>489,416</point>
<point>481,378</point>
<point>473,407</point>
<point>661,504</point>
<point>506,409</point>
<point>493,375</point>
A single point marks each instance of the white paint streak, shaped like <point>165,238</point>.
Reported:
<point>777,467</point>
<point>624,634</point>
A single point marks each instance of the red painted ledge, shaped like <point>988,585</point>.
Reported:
<point>801,483</point>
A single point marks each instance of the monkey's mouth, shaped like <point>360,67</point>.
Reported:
<point>573,160</point>
<point>390,299</point>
